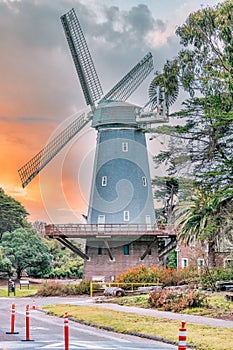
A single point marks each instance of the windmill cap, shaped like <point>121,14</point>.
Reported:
<point>115,113</point>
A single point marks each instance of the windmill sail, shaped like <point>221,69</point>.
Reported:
<point>38,162</point>
<point>131,81</point>
<point>82,59</point>
<point>92,92</point>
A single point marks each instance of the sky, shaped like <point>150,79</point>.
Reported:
<point>40,92</point>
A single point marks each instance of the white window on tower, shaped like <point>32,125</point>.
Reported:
<point>126,215</point>
<point>144,181</point>
<point>148,222</point>
<point>124,146</point>
<point>104,180</point>
<point>101,222</point>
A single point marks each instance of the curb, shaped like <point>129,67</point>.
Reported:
<point>112,329</point>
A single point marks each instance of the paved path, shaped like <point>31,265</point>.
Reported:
<point>46,332</point>
<point>166,314</point>
<point>85,300</point>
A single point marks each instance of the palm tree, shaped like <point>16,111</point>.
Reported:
<point>206,217</point>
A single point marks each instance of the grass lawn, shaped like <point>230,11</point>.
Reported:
<point>218,306</point>
<point>208,338</point>
<point>24,292</point>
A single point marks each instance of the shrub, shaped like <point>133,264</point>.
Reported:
<point>165,275</point>
<point>176,300</point>
<point>52,288</point>
<point>172,259</point>
<point>83,287</point>
<point>68,270</point>
<point>208,277</point>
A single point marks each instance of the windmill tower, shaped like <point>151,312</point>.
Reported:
<point>121,229</point>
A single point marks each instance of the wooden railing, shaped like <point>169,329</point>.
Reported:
<point>97,230</point>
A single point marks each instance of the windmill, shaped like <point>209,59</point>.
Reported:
<point>120,219</point>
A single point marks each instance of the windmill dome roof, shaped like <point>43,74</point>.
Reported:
<point>115,112</point>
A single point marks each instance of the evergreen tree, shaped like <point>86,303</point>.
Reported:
<point>12,214</point>
<point>201,147</point>
<point>203,67</point>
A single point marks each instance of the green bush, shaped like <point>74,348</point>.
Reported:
<point>69,270</point>
<point>172,259</point>
<point>208,277</point>
<point>65,263</point>
<point>51,288</point>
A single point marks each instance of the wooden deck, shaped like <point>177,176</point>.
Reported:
<point>107,230</point>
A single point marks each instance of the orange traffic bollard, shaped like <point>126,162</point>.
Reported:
<point>182,337</point>
<point>33,305</point>
<point>12,321</point>
<point>27,325</point>
<point>66,331</point>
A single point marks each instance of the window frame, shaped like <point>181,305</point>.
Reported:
<point>126,215</point>
<point>226,261</point>
<point>184,263</point>
<point>100,250</point>
<point>101,222</point>
<point>148,222</point>
<point>144,181</point>
<point>200,266</point>
<point>104,181</point>
<point>126,249</point>
<point>125,146</point>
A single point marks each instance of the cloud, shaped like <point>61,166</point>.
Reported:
<point>40,89</point>
<point>38,72</point>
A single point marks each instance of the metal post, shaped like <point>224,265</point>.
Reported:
<point>12,321</point>
<point>33,305</point>
<point>182,337</point>
<point>66,331</point>
<point>27,325</point>
<point>177,257</point>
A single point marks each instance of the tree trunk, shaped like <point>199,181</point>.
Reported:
<point>212,255</point>
<point>19,273</point>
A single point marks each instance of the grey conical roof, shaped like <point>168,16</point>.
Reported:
<point>115,113</point>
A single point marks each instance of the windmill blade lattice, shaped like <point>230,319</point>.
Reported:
<point>131,81</point>
<point>92,91</point>
<point>39,161</point>
<point>82,59</point>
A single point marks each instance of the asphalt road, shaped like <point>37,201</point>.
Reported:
<point>47,332</point>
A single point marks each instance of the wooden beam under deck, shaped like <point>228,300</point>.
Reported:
<point>72,247</point>
<point>148,248</point>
